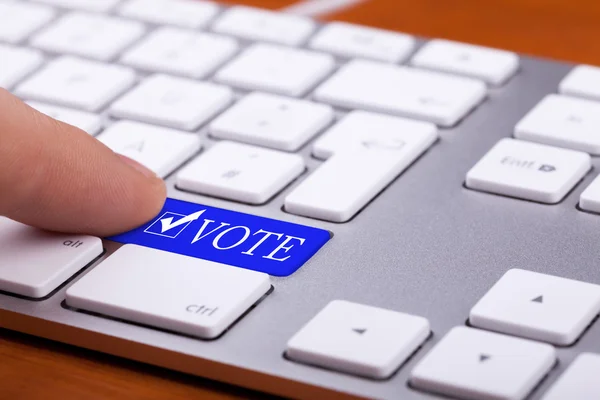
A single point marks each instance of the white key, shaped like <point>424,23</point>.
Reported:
<point>403,91</point>
<point>181,52</point>
<point>349,40</point>
<point>472,364</point>
<point>72,82</point>
<point>590,198</point>
<point>87,5</point>
<point>240,172</point>
<point>563,121</point>
<point>174,102</point>
<point>529,171</point>
<point>491,65</point>
<point>580,381</point>
<point>262,25</point>
<point>184,13</point>
<point>272,121</point>
<point>582,81</point>
<point>161,150</point>
<point>360,129</point>
<point>346,182</point>
<point>34,262</point>
<point>88,122</point>
<point>538,306</point>
<point>358,339</point>
<point>169,291</point>
<point>19,20</point>
<point>16,63</point>
<point>94,36</point>
<point>281,70</point>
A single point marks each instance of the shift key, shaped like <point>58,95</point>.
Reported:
<point>169,291</point>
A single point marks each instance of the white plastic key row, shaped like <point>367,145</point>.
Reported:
<point>161,150</point>
<point>77,83</point>
<point>351,41</point>
<point>529,171</point>
<point>181,52</point>
<point>18,20</point>
<point>367,161</point>
<point>34,262</point>
<point>563,121</point>
<point>88,122</point>
<point>361,129</point>
<point>580,381</point>
<point>272,121</point>
<point>477,365</point>
<point>88,35</point>
<point>590,198</point>
<point>87,5</point>
<point>184,13</point>
<point>538,306</point>
<point>583,81</point>
<point>358,339</point>
<point>491,65</point>
<point>240,172</point>
<point>439,98</point>
<point>276,69</point>
<point>263,25</point>
<point>174,102</point>
<point>17,63</point>
<point>169,291</point>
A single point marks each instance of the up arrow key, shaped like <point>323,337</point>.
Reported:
<point>538,306</point>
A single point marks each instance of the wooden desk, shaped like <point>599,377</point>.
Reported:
<point>565,29</point>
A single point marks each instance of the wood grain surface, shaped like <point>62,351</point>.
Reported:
<point>32,368</point>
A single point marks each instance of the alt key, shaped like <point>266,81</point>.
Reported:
<point>33,262</point>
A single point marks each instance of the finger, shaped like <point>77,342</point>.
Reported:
<point>57,177</point>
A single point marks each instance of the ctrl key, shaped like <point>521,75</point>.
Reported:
<point>169,291</point>
<point>33,263</point>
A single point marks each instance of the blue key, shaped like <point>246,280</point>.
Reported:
<point>267,245</point>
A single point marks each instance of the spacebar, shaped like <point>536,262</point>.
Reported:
<point>169,291</point>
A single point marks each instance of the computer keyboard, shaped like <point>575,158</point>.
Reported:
<point>352,212</point>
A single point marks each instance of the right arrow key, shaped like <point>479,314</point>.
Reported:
<point>538,306</point>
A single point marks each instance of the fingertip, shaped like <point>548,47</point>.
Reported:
<point>138,196</point>
<point>59,178</point>
<point>148,206</point>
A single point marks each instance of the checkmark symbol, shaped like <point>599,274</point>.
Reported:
<point>168,224</point>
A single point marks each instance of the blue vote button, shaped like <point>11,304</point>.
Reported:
<point>248,241</point>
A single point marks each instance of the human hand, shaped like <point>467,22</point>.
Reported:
<point>56,177</point>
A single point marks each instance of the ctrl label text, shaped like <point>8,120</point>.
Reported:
<point>201,310</point>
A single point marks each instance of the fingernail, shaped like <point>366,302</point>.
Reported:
<point>147,172</point>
